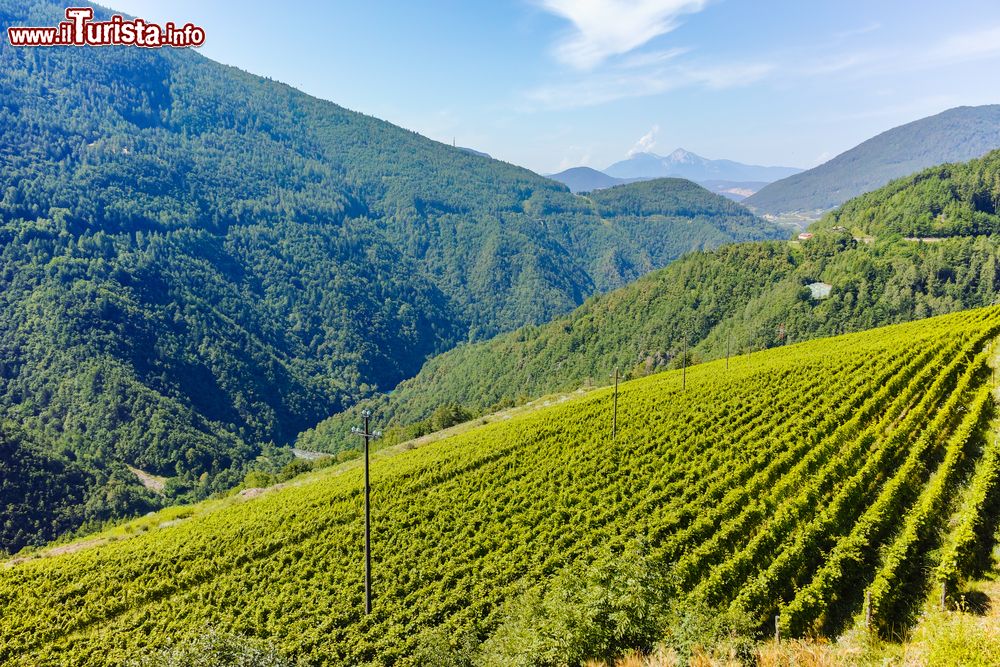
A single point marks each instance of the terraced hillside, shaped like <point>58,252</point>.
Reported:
<point>791,481</point>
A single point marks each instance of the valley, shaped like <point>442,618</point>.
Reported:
<point>678,411</point>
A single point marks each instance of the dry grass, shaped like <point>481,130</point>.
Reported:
<point>967,638</point>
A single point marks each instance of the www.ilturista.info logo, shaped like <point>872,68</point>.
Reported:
<point>79,29</point>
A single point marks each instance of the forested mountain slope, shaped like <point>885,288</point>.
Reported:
<point>791,482</point>
<point>197,263</point>
<point>955,135</point>
<point>741,297</point>
<point>960,199</point>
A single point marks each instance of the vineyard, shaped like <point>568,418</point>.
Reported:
<point>795,482</point>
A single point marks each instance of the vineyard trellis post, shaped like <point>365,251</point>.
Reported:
<point>614,414</point>
<point>729,342</point>
<point>368,435</point>
<point>868,610</point>
<point>684,366</point>
<point>777,628</point>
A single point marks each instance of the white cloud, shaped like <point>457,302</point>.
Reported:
<point>605,28</point>
<point>646,142</point>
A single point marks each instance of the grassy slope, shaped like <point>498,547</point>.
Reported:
<point>463,524</point>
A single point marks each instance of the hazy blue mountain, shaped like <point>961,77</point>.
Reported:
<point>735,190</point>
<point>685,164</point>
<point>955,135</point>
<point>585,179</point>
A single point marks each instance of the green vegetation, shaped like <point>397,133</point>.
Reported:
<point>950,200</point>
<point>196,264</point>
<point>738,298</point>
<point>955,135</point>
<point>790,482</point>
<point>214,649</point>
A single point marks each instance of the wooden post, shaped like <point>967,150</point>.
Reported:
<point>777,628</point>
<point>729,342</point>
<point>868,610</point>
<point>684,373</point>
<point>614,417</point>
<point>944,596</point>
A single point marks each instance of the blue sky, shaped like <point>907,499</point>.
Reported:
<point>549,84</point>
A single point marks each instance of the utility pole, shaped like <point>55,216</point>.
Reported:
<point>368,435</point>
<point>614,416</point>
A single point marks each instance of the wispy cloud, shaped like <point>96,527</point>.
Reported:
<point>605,28</point>
<point>730,75</point>
<point>973,45</point>
<point>646,142</point>
<point>615,84</point>
<point>650,59</point>
<point>834,63</point>
<point>915,108</point>
<point>605,50</point>
<point>854,32</point>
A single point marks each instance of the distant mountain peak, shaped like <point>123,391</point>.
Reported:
<point>681,155</point>
<point>682,163</point>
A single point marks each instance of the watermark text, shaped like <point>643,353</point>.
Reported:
<point>79,29</point>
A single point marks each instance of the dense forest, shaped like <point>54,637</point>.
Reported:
<point>196,264</point>
<point>738,298</point>
<point>955,135</point>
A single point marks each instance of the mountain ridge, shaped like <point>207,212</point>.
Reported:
<point>953,135</point>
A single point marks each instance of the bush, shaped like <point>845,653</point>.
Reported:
<point>214,649</point>
<point>448,415</point>
<point>694,629</point>
<point>600,610</point>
